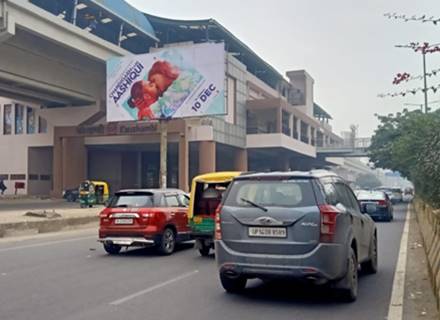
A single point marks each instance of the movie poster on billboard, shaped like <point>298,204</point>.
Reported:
<point>174,82</point>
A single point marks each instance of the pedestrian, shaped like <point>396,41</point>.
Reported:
<point>2,186</point>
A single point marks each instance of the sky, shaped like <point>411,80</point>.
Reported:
<point>347,46</point>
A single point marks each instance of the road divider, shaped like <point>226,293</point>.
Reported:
<point>395,311</point>
<point>429,222</point>
<point>9,229</point>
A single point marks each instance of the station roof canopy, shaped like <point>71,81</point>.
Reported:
<point>128,14</point>
<point>209,30</point>
<point>319,112</point>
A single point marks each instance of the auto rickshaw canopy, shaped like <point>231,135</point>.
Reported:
<point>209,178</point>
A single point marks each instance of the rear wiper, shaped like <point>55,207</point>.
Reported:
<point>256,205</point>
<point>121,206</point>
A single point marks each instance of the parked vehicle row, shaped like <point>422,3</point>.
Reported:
<point>303,225</point>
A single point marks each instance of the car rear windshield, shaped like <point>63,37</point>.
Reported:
<point>271,193</point>
<point>365,195</point>
<point>136,200</point>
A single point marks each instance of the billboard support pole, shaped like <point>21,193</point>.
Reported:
<point>163,153</point>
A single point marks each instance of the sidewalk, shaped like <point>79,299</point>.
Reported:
<point>13,221</point>
<point>419,301</point>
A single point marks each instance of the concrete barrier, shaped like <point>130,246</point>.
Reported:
<point>44,226</point>
<point>429,222</point>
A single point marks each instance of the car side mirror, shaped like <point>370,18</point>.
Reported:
<point>341,208</point>
<point>107,203</point>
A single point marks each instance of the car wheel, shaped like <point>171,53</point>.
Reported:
<point>167,242</point>
<point>233,285</point>
<point>349,293</point>
<point>112,248</point>
<point>204,250</point>
<point>370,266</point>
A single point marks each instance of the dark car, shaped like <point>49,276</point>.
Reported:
<point>71,195</point>
<point>303,225</point>
<point>147,217</point>
<point>380,204</point>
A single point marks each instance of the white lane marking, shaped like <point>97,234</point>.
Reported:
<point>155,287</point>
<point>395,310</point>
<point>45,244</point>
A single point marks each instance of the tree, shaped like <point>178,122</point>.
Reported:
<point>368,181</point>
<point>409,142</point>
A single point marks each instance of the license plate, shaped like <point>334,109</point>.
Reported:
<point>267,232</point>
<point>123,221</point>
<point>198,220</point>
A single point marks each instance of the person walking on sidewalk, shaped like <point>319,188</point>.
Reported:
<point>2,186</point>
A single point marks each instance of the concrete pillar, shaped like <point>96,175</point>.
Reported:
<point>57,169</point>
<point>279,120</point>
<point>241,160</point>
<point>74,161</point>
<point>207,157</point>
<point>184,162</point>
<point>284,162</point>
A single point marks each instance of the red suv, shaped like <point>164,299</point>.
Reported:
<point>145,217</point>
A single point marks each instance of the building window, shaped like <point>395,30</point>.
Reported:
<point>285,123</point>
<point>42,125</point>
<point>4,176</point>
<point>304,132</point>
<point>295,128</point>
<point>18,177</point>
<point>30,120</point>
<point>45,177</point>
<point>231,99</point>
<point>7,119</point>
<point>312,141</point>
<point>19,119</point>
<point>33,177</point>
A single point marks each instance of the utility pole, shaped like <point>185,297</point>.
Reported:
<point>425,86</point>
<point>163,124</point>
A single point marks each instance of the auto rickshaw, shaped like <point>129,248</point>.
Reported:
<point>93,192</point>
<point>206,194</point>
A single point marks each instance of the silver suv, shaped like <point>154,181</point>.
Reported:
<point>304,225</point>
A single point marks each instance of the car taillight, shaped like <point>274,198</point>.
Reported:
<point>218,228</point>
<point>328,222</point>
<point>382,203</point>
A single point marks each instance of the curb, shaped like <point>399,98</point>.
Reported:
<point>44,226</point>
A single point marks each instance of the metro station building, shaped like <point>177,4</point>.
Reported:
<point>53,129</point>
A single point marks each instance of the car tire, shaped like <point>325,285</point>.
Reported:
<point>112,248</point>
<point>167,242</point>
<point>370,266</point>
<point>204,250</point>
<point>233,285</point>
<point>349,293</point>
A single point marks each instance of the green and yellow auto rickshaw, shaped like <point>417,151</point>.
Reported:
<point>206,194</point>
<point>93,192</point>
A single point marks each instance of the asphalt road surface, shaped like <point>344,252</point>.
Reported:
<point>73,278</point>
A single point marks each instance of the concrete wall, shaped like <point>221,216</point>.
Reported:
<point>40,166</point>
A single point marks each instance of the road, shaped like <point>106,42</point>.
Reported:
<point>71,278</point>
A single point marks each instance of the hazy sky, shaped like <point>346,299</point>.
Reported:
<point>346,45</point>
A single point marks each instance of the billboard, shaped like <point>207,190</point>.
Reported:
<point>169,83</point>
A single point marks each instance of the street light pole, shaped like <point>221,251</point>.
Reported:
<point>425,86</point>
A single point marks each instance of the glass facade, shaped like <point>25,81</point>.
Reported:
<point>30,120</point>
<point>19,119</point>
<point>7,119</point>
